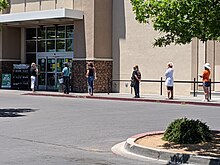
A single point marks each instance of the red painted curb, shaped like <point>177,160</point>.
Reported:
<point>127,99</point>
<point>138,136</point>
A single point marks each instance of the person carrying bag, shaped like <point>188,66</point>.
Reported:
<point>66,78</point>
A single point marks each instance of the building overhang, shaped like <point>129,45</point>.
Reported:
<point>44,17</point>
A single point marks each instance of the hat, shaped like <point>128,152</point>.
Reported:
<point>33,64</point>
<point>170,64</point>
<point>207,65</point>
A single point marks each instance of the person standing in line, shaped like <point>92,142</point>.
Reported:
<point>34,72</point>
<point>169,80</point>
<point>136,78</point>
<point>91,76</point>
<point>66,79</point>
<point>206,81</point>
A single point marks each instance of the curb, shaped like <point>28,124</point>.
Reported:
<point>128,99</point>
<point>164,155</point>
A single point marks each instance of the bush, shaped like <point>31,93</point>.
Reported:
<point>185,131</point>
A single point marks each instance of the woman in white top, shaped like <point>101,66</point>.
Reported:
<point>34,72</point>
<point>169,80</point>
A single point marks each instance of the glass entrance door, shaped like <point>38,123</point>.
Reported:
<point>42,67</point>
<point>50,70</point>
<point>51,74</point>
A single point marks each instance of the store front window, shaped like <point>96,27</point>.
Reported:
<point>50,39</point>
<point>50,47</point>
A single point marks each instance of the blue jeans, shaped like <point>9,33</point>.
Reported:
<point>90,84</point>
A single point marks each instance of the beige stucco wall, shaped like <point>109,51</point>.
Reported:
<point>103,29</point>
<point>79,40</point>
<point>84,30</point>
<point>88,8</point>
<point>97,27</point>
<point>47,4</point>
<point>132,44</point>
<point>69,4</point>
<point>11,37</point>
<point>32,5</point>
<point>17,6</point>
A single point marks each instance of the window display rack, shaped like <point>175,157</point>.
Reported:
<point>21,76</point>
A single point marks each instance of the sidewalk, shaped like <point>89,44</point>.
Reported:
<point>215,101</point>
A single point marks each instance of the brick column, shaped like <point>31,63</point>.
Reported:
<point>103,74</point>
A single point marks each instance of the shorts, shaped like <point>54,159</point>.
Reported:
<point>206,84</point>
<point>169,88</point>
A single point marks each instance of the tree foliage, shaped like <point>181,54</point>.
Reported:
<point>3,4</point>
<point>179,21</point>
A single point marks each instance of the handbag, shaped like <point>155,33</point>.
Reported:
<point>132,83</point>
<point>61,80</point>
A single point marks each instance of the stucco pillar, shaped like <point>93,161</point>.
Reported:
<point>194,65</point>
<point>211,58</point>
<point>217,65</point>
<point>23,54</point>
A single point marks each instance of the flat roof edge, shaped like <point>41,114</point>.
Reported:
<point>42,15</point>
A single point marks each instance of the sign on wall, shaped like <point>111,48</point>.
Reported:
<point>6,80</point>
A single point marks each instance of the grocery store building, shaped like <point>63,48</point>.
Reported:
<point>51,32</point>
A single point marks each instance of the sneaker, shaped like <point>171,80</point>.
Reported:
<point>204,100</point>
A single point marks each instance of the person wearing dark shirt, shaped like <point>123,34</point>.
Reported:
<point>34,72</point>
<point>91,76</point>
<point>136,78</point>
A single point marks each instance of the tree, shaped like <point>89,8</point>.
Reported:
<point>3,4</point>
<point>179,21</point>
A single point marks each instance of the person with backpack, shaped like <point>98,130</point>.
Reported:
<point>136,78</point>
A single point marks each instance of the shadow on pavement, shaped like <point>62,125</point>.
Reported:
<point>14,112</point>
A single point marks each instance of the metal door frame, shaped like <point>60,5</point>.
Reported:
<point>49,55</point>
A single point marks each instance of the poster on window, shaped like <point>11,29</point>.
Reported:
<point>6,80</point>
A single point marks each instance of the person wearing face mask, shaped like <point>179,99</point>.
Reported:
<point>136,78</point>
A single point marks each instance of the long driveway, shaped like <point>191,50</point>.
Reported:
<point>70,131</point>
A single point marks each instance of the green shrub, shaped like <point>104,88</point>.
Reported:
<point>185,131</point>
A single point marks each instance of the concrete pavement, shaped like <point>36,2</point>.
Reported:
<point>129,145</point>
